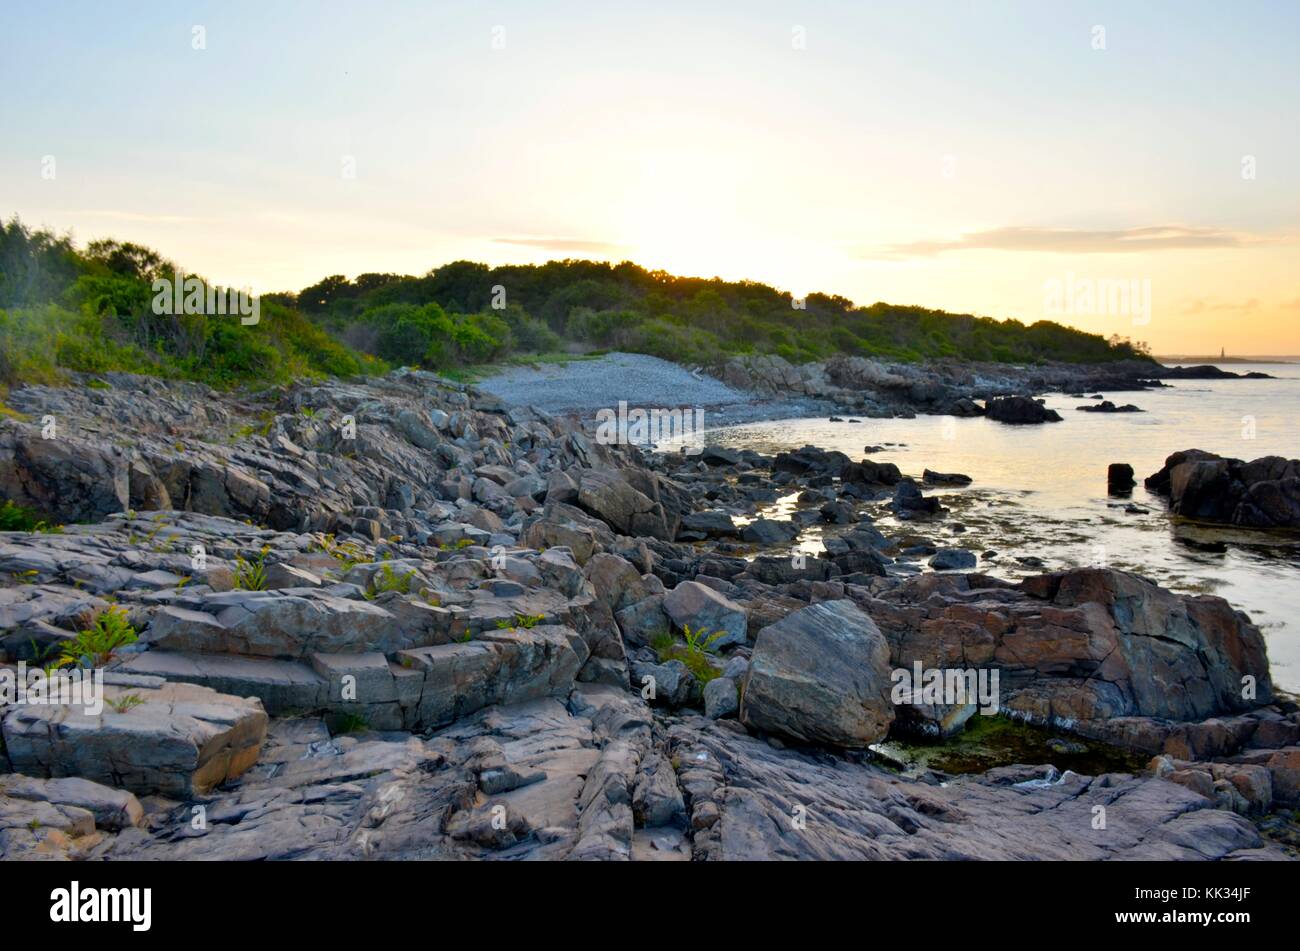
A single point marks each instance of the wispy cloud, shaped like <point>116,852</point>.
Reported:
<point>1075,241</point>
<point>565,244</point>
<point>1212,305</point>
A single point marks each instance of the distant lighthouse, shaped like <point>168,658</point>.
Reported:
<point>1223,352</point>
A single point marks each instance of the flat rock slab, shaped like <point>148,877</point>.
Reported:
<point>283,686</point>
<point>292,623</point>
<point>183,740</point>
<point>113,809</point>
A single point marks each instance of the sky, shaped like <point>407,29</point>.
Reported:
<point>1126,168</point>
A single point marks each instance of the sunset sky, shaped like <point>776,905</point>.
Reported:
<point>954,155</point>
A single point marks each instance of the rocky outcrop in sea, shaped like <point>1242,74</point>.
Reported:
<point>1263,493</point>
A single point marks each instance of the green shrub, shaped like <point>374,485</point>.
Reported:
<point>16,518</point>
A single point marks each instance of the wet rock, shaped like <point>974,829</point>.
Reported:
<point>837,513</point>
<point>1264,493</point>
<point>1106,406</point>
<point>869,473</point>
<point>1119,478</point>
<point>1019,410</point>
<point>719,456</point>
<point>945,478</point>
<point>766,531</point>
<point>711,524</point>
<point>952,559</point>
<point>909,501</point>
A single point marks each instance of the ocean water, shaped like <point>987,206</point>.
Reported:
<point>1041,490</point>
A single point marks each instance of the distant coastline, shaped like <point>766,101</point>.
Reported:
<point>1166,359</point>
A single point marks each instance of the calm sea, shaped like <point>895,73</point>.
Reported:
<point>1041,490</point>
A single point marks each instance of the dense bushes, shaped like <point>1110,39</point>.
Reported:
<point>586,304</point>
<point>61,309</point>
<point>91,311</point>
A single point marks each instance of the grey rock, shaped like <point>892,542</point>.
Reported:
<point>820,675</point>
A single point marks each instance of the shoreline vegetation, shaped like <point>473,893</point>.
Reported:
<point>64,308</point>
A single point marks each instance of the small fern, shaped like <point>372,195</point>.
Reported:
<point>125,703</point>
<point>97,644</point>
<point>386,579</point>
<point>251,575</point>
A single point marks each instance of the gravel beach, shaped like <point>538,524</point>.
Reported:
<point>583,386</point>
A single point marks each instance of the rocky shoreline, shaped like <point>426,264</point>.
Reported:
<point>747,389</point>
<point>402,618</point>
<point>877,388</point>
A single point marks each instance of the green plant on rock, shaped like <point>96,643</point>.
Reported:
<point>695,654</point>
<point>697,642</point>
<point>15,518</point>
<point>97,644</point>
<point>526,621</point>
<point>251,575</point>
<point>347,554</point>
<point>41,654</point>
<point>386,579</point>
<point>125,703</point>
<point>350,723</point>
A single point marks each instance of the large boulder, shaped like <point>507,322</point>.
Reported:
<point>820,675</point>
<point>867,472</point>
<point>767,531</point>
<point>1083,647</point>
<point>608,495</point>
